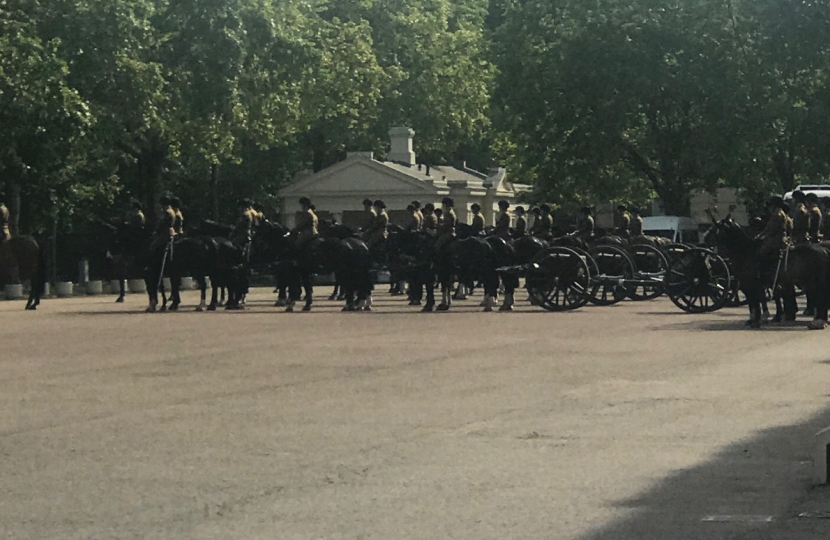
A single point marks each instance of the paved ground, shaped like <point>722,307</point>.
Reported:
<point>630,422</point>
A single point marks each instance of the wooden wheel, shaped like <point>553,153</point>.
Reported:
<point>672,251</point>
<point>615,269</point>
<point>698,281</point>
<point>558,279</point>
<point>651,265</point>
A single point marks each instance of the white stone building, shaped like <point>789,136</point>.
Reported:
<point>338,191</point>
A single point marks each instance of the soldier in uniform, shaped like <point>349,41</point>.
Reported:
<point>417,205</point>
<point>521,223</point>
<point>430,220</point>
<point>478,220</point>
<point>241,234</point>
<point>814,212</point>
<point>825,221</point>
<point>369,216</point>
<point>306,228</point>
<point>546,225</point>
<point>135,217</point>
<point>446,226</point>
<point>259,214</point>
<point>623,221</point>
<point>801,218</point>
<point>5,234</point>
<point>774,234</point>
<point>166,226</point>
<point>503,221</point>
<point>413,223</point>
<point>178,224</point>
<point>537,221</point>
<point>636,223</point>
<point>585,229</point>
<point>378,233</point>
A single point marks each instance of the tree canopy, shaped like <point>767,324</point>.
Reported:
<point>605,100</point>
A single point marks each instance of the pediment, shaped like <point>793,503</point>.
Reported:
<point>358,175</point>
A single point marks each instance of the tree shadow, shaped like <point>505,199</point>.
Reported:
<point>751,490</point>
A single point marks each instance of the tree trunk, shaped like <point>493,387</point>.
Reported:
<point>214,183</point>
<point>150,165</point>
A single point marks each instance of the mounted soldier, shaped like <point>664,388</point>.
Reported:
<point>5,233</point>
<point>413,222</point>
<point>521,223</point>
<point>306,229</point>
<point>546,223</point>
<point>815,215</point>
<point>166,225</point>
<point>178,223</point>
<point>478,219</point>
<point>503,222</point>
<point>369,216</point>
<point>636,223</point>
<point>800,217</point>
<point>623,221</point>
<point>585,228</point>
<point>446,226</point>
<point>537,221</point>
<point>377,233</point>
<point>258,214</point>
<point>135,217</point>
<point>420,215</point>
<point>430,220</point>
<point>775,233</point>
<point>243,229</point>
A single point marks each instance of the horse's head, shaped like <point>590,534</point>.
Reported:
<point>727,234</point>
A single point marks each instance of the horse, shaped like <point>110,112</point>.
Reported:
<point>753,272</point>
<point>126,250</point>
<point>335,250</point>
<point>23,259</point>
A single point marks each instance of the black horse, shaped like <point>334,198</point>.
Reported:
<point>806,265</point>
<point>336,251</point>
<point>23,259</point>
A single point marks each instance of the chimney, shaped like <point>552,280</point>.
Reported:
<point>401,151</point>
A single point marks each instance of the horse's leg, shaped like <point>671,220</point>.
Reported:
<point>175,295</point>
<point>308,287</point>
<point>215,284</point>
<point>790,303</point>
<point>294,290</point>
<point>334,292</point>
<point>446,291</point>
<point>151,283</point>
<point>163,292</point>
<point>202,293</point>
<point>753,297</point>
<point>121,290</point>
<point>222,295</point>
<point>511,283</point>
<point>429,286</point>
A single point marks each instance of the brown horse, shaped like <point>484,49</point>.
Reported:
<point>21,260</point>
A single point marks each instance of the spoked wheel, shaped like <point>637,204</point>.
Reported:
<point>672,251</point>
<point>698,281</point>
<point>651,265</point>
<point>558,279</point>
<point>616,269</point>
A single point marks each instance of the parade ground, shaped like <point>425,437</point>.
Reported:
<point>635,421</point>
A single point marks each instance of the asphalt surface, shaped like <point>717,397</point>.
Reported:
<point>629,422</point>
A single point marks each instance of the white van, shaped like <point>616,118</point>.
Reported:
<point>681,230</point>
<point>821,191</point>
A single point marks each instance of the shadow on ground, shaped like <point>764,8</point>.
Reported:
<point>752,490</point>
